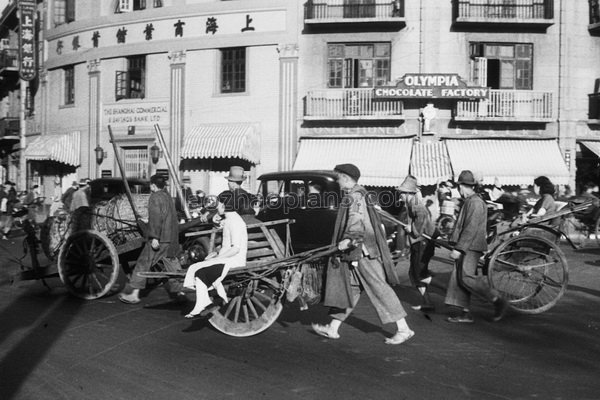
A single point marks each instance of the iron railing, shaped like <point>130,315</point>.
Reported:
<point>340,9</point>
<point>507,105</point>
<point>504,9</point>
<point>350,104</point>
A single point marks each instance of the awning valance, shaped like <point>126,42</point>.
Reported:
<point>223,141</point>
<point>63,148</point>
<point>382,161</point>
<point>594,147</point>
<point>430,163</point>
<point>513,162</point>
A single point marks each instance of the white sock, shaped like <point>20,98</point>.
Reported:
<point>402,325</point>
<point>422,290</point>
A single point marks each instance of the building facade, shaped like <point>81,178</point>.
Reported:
<point>508,88</point>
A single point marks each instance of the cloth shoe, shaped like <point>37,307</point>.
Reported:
<point>500,308</point>
<point>464,318</point>
<point>325,331</point>
<point>400,337</point>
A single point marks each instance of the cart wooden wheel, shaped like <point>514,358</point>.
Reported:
<point>88,264</point>
<point>254,304</point>
<point>530,272</point>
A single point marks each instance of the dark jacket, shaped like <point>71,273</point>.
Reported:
<point>470,228</point>
<point>420,220</point>
<point>242,201</point>
<point>162,221</point>
<point>338,290</point>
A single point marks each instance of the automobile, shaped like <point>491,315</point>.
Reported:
<point>106,188</point>
<point>291,194</point>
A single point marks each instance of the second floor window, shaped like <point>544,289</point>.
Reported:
<point>502,65</point>
<point>358,65</point>
<point>64,11</point>
<point>233,70</point>
<point>134,5</point>
<point>130,84</point>
<point>69,89</point>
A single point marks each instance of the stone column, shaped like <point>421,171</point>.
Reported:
<point>94,117</point>
<point>177,110</point>
<point>288,104</point>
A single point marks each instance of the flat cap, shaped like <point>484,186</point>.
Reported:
<point>349,169</point>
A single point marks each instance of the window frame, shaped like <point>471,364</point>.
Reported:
<point>233,63</point>
<point>522,65</point>
<point>68,98</point>
<point>124,80</point>
<point>381,66</point>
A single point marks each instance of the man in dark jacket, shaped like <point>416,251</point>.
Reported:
<point>162,244</point>
<point>242,200</point>
<point>365,264</point>
<point>469,239</point>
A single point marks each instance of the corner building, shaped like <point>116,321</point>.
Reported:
<point>216,77</point>
<point>537,58</point>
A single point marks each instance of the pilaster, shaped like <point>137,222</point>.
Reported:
<point>288,104</point>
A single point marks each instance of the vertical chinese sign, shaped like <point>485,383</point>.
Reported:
<point>27,68</point>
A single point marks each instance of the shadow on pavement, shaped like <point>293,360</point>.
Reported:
<point>44,317</point>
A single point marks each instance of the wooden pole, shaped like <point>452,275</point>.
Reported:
<point>124,177</point>
<point>172,171</point>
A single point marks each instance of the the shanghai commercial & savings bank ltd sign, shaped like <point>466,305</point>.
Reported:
<point>431,86</point>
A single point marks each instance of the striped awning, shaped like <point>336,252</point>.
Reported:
<point>513,162</point>
<point>223,141</point>
<point>430,163</point>
<point>594,147</point>
<point>63,148</point>
<point>382,161</point>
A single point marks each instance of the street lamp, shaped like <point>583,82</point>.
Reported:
<point>100,154</point>
<point>155,153</point>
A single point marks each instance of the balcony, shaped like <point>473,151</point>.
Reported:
<point>594,26</point>
<point>381,12</point>
<point>350,104</point>
<point>508,106</point>
<point>514,13</point>
<point>9,128</point>
<point>9,61</point>
<point>594,108</point>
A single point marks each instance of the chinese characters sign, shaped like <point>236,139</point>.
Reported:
<point>26,39</point>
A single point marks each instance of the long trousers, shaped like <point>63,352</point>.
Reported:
<point>464,282</point>
<point>420,254</point>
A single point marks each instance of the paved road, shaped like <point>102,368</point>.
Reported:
<point>53,346</point>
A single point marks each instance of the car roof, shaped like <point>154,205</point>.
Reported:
<point>301,174</point>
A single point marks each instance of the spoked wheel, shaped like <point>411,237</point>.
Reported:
<point>254,304</point>
<point>445,225</point>
<point>577,231</point>
<point>530,272</point>
<point>88,264</point>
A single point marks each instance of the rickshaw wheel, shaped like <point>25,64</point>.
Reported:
<point>254,305</point>
<point>88,264</point>
<point>576,230</point>
<point>530,272</point>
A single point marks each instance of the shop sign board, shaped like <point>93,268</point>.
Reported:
<point>431,86</point>
<point>27,64</point>
<point>145,113</point>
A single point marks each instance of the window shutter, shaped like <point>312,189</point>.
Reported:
<point>125,6</point>
<point>478,74</point>
<point>70,12</point>
<point>476,50</point>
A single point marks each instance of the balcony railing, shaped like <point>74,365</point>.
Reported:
<point>508,105</point>
<point>9,127</point>
<point>321,11</point>
<point>594,106</point>
<point>504,11</point>
<point>9,59</point>
<point>339,104</point>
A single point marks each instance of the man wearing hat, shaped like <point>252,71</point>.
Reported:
<point>80,197</point>
<point>242,200</point>
<point>365,262</point>
<point>469,239</point>
<point>421,250</point>
<point>67,197</point>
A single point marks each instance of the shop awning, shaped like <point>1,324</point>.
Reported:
<point>430,163</point>
<point>594,147</point>
<point>223,141</point>
<point>63,148</point>
<point>382,161</point>
<point>514,162</point>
